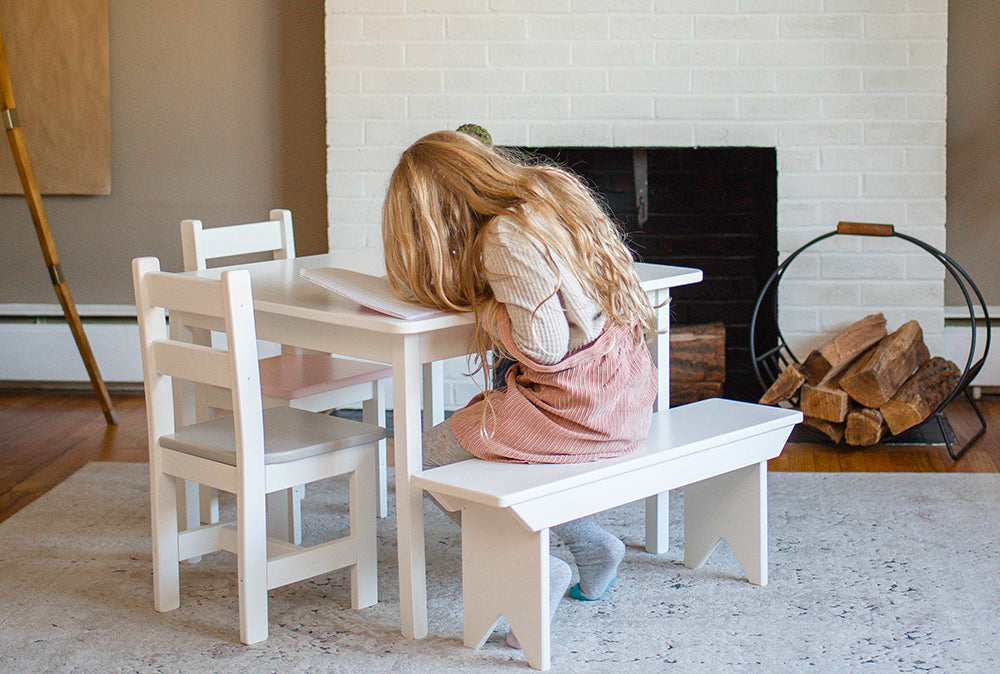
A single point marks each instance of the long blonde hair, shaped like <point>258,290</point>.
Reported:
<point>446,189</point>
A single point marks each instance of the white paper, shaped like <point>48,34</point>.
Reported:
<point>368,291</point>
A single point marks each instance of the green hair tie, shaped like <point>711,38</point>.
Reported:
<point>477,132</point>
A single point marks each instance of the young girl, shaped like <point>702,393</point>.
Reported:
<point>529,250</point>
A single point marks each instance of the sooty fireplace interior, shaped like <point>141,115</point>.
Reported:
<point>714,209</point>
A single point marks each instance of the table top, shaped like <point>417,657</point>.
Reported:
<point>277,289</point>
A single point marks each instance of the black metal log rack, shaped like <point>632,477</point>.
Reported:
<point>771,360</point>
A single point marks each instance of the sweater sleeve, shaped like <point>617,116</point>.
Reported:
<point>525,280</point>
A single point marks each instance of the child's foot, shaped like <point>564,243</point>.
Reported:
<point>597,560</point>
<point>559,576</point>
<point>576,593</point>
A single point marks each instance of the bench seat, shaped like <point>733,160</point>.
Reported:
<point>717,449</point>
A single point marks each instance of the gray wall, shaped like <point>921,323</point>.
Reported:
<point>217,113</point>
<point>974,144</point>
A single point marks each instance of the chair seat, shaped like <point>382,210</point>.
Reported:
<point>295,376</point>
<point>289,435</point>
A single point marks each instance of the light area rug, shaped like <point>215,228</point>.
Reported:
<point>868,573</point>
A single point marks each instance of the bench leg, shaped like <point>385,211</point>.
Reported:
<point>731,506</point>
<point>505,572</point>
<point>658,523</point>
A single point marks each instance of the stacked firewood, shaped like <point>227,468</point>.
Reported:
<point>866,383</point>
<point>697,362</point>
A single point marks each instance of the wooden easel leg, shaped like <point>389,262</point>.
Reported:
<point>27,174</point>
<point>83,345</point>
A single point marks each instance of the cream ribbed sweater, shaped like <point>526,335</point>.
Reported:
<point>523,277</point>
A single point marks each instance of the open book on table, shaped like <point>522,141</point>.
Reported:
<point>368,291</point>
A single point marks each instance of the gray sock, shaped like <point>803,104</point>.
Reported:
<point>597,554</point>
<point>560,575</point>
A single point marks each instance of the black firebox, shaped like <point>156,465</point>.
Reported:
<point>713,208</point>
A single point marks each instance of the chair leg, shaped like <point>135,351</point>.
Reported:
<point>191,504</point>
<point>284,508</point>
<point>188,509</point>
<point>163,517</point>
<point>364,573</point>
<point>209,500</point>
<point>252,563</point>
<point>373,412</point>
<point>284,514</point>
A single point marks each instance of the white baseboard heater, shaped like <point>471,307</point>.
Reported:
<point>38,349</point>
<point>958,338</point>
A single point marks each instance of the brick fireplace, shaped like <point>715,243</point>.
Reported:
<point>713,208</point>
<point>850,98</point>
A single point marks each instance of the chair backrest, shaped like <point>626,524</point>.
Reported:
<point>169,355</point>
<point>274,236</point>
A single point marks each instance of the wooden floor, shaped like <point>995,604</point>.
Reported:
<point>982,457</point>
<point>46,436</point>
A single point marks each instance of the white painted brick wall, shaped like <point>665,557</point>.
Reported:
<point>852,95</point>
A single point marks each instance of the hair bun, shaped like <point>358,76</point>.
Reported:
<point>477,132</point>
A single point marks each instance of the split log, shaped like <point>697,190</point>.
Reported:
<point>684,392</point>
<point>785,386</point>
<point>824,402</point>
<point>876,376</point>
<point>921,394</point>
<point>698,352</point>
<point>697,362</point>
<point>825,363</point>
<point>831,430</point>
<point>864,427</point>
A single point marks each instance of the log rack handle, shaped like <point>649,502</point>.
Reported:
<point>864,229</point>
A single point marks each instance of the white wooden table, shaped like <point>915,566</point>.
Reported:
<point>292,311</point>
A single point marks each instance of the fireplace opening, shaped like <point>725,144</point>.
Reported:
<point>714,209</point>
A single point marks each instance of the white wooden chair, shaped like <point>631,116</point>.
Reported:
<point>310,381</point>
<point>250,453</point>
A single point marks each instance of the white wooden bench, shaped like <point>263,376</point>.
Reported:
<point>717,449</point>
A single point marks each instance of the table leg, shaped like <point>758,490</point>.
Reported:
<point>373,412</point>
<point>658,506</point>
<point>409,500</point>
<point>433,383</point>
<point>658,523</point>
